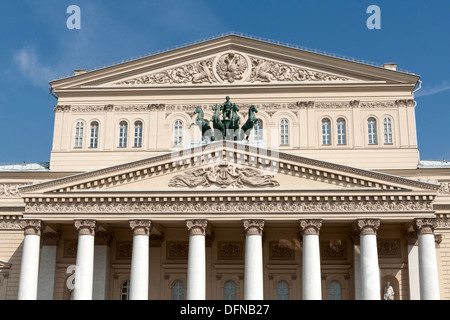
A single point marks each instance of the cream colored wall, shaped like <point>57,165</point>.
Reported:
<point>11,252</point>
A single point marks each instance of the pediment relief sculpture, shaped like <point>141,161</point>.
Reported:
<point>232,67</point>
<point>224,175</point>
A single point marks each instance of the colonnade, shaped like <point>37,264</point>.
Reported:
<point>253,273</point>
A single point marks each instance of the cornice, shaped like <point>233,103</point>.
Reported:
<point>245,155</point>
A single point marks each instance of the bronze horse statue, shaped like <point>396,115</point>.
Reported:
<point>250,123</point>
<point>202,124</point>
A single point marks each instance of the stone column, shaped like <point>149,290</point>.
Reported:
<point>253,274</point>
<point>139,276</point>
<point>354,235</point>
<point>29,269</point>
<point>196,274</point>
<point>47,266</point>
<point>413,265</point>
<point>312,280</point>
<point>428,269</point>
<point>370,270</point>
<point>101,265</point>
<point>84,272</point>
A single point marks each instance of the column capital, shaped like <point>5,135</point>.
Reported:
<point>197,226</point>
<point>425,225</point>
<point>141,226</point>
<point>85,226</point>
<point>254,227</point>
<point>310,226</point>
<point>367,226</point>
<point>31,226</point>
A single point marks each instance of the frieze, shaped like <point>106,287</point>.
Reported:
<point>333,250</point>
<point>230,250</point>
<point>10,223</point>
<point>281,250</point>
<point>70,248</point>
<point>177,250</point>
<point>124,250</point>
<point>389,248</point>
<point>444,188</point>
<point>11,190</point>
<point>228,207</point>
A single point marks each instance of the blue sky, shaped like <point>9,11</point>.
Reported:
<point>37,47</point>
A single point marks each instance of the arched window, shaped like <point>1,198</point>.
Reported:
<point>93,141</point>
<point>79,134</point>
<point>282,290</point>
<point>326,132</point>
<point>138,134</point>
<point>341,132</point>
<point>372,130</point>
<point>387,130</point>
<point>258,133</point>
<point>335,291</point>
<point>125,290</point>
<point>123,134</point>
<point>178,290</point>
<point>230,290</point>
<point>284,132</point>
<point>178,133</point>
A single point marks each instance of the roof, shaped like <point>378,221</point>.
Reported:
<point>428,164</point>
<point>42,166</point>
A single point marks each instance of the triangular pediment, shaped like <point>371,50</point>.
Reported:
<point>230,167</point>
<point>233,60</point>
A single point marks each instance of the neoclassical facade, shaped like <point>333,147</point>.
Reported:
<point>326,199</point>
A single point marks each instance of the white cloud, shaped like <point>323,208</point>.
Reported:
<point>27,62</point>
<point>444,86</point>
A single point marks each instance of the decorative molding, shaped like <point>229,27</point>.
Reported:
<point>425,225</point>
<point>197,227</point>
<point>334,250</point>
<point>10,223</point>
<point>223,175</point>
<point>444,188</point>
<point>438,239</point>
<point>281,250</point>
<point>310,226</point>
<point>230,250</point>
<point>367,226</point>
<point>176,250</point>
<point>141,227</point>
<point>411,238</point>
<point>254,227</point>
<point>85,226</point>
<point>124,250</point>
<point>31,226</point>
<point>231,67</point>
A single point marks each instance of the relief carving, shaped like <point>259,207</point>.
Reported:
<point>70,248</point>
<point>388,248</point>
<point>229,250</point>
<point>444,188</point>
<point>224,175</point>
<point>283,250</point>
<point>333,250</point>
<point>231,67</point>
<point>124,250</point>
<point>177,250</point>
<point>10,190</point>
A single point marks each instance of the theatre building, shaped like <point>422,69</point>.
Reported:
<point>151,193</point>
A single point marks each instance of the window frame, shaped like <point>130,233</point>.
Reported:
<point>172,288</point>
<point>230,294</point>
<point>178,126</point>
<point>325,134</point>
<point>285,294</point>
<point>123,135</point>
<point>138,135</point>
<point>372,131</point>
<point>92,137</point>
<point>79,137</point>
<point>341,131</point>
<point>331,288</point>
<point>127,293</point>
<point>284,132</point>
<point>390,133</point>
<point>258,130</point>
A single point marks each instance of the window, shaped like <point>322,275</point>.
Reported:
<point>326,132</point>
<point>284,132</point>
<point>230,290</point>
<point>258,127</point>
<point>123,132</point>
<point>178,290</point>
<point>79,133</point>
<point>372,130</point>
<point>93,143</point>
<point>282,290</point>
<point>178,133</point>
<point>341,132</point>
<point>138,134</point>
<point>387,130</point>
<point>335,291</point>
<point>125,290</point>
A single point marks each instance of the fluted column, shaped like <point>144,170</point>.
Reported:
<point>253,274</point>
<point>312,280</point>
<point>196,275</point>
<point>370,270</point>
<point>139,276</point>
<point>29,269</point>
<point>428,269</point>
<point>84,272</point>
